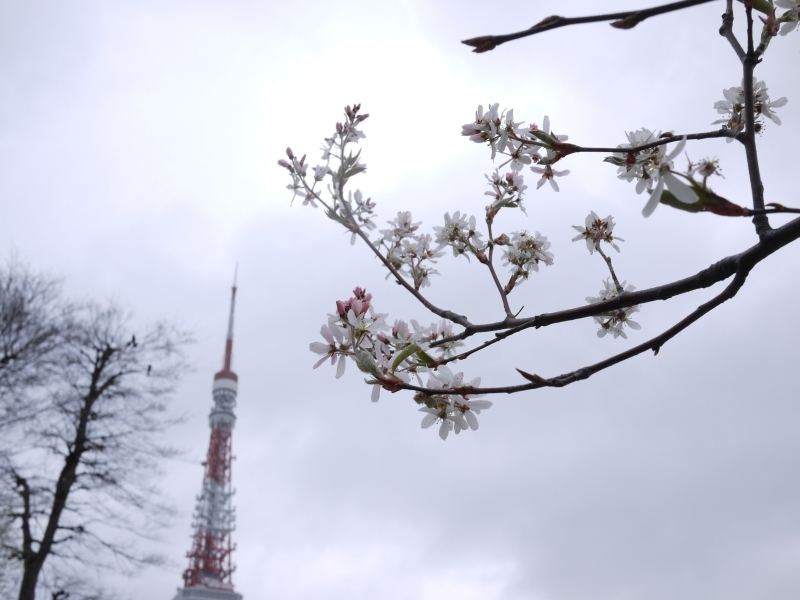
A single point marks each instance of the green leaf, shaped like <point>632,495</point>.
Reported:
<point>404,354</point>
<point>709,202</point>
<point>354,171</point>
<point>425,358</point>
<point>544,137</point>
<point>670,200</point>
<point>366,363</point>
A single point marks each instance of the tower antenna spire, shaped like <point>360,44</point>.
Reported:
<point>226,368</point>
<point>210,561</point>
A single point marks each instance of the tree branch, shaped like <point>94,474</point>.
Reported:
<point>490,264</point>
<point>566,149</point>
<point>726,31</point>
<point>761,221</point>
<point>622,20</point>
<point>772,241</point>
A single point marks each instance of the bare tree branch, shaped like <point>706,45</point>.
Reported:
<point>622,20</point>
<point>726,30</point>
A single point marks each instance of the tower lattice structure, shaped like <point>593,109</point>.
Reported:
<point>210,559</point>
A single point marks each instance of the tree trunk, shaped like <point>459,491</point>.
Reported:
<point>30,576</point>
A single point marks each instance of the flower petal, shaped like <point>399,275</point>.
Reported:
<point>677,149</point>
<point>655,198</point>
<point>341,367</point>
<point>679,189</point>
<point>428,420</point>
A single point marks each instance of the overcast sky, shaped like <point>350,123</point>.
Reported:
<point>138,149</point>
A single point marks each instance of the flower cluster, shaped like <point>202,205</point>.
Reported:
<point>408,250</point>
<point>461,234</point>
<point>452,411</point>
<point>507,192</point>
<point>613,321</point>
<point>597,230</point>
<point>392,355</point>
<point>733,108</point>
<point>523,146</point>
<point>651,168</point>
<point>524,253</point>
<point>352,211</point>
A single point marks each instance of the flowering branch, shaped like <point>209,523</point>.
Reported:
<point>621,20</point>
<point>396,357</point>
<point>719,271</point>
<point>743,265</point>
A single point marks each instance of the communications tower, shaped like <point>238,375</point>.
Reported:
<point>209,574</point>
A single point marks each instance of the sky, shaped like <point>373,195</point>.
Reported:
<point>138,149</point>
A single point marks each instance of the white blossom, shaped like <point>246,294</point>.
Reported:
<point>791,17</point>
<point>453,412</point>
<point>507,191</point>
<point>597,230</point>
<point>733,107</point>
<point>613,321</point>
<point>548,173</point>
<point>525,252</point>
<point>460,233</point>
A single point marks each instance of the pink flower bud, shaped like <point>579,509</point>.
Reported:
<point>289,153</point>
<point>341,308</point>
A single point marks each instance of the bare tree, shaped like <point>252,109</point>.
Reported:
<point>79,466</point>
<point>32,322</point>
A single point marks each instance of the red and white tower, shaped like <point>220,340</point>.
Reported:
<point>210,567</point>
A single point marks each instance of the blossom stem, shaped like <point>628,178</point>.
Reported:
<point>597,247</point>
<point>490,264</point>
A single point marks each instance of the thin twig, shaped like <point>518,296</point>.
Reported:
<point>654,344</point>
<point>760,221</point>
<point>622,20</point>
<point>610,268</point>
<point>445,314</point>
<point>490,264</point>
<point>773,240</point>
<point>726,31</point>
<point>719,133</point>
